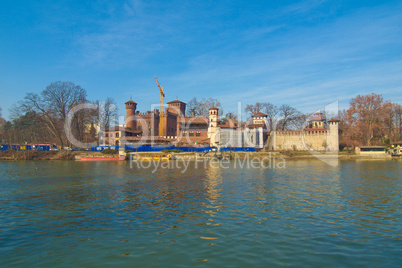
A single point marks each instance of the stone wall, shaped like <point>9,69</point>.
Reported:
<point>301,140</point>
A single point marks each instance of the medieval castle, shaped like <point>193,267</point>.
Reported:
<point>182,130</point>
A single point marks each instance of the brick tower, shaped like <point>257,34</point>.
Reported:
<point>131,106</point>
<point>177,106</point>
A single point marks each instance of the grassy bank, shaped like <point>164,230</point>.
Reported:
<point>37,155</point>
<point>72,155</point>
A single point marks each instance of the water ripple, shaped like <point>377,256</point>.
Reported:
<point>309,214</point>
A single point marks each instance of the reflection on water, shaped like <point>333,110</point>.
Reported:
<point>309,214</point>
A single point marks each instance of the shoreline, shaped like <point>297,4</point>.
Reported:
<point>288,155</point>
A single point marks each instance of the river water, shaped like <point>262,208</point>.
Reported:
<point>304,214</point>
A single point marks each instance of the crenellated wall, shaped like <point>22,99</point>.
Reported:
<point>318,140</point>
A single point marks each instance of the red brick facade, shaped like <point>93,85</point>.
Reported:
<point>177,128</point>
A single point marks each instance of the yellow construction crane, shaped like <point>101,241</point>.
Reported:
<point>161,114</point>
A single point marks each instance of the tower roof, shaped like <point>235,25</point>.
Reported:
<point>176,101</point>
<point>213,108</point>
<point>316,117</point>
<point>334,120</point>
<point>131,101</point>
<point>259,114</point>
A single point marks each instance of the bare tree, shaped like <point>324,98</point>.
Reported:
<point>398,119</point>
<point>229,115</point>
<point>272,112</point>
<point>2,121</point>
<point>299,121</point>
<point>254,108</point>
<point>192,107</point>
<point>268,108</point>
<point>365,114</point>
<point>288,116</point>
<point>106,113</point>
<point>53,105</point>
<point>201,108</point>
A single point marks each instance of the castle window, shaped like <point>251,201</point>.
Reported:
<point>117,134</point>
<point>191,134</point>
<point>198,134</point>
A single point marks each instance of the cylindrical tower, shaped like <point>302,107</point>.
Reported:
<point>131,106</point>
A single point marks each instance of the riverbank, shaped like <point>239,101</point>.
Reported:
<point>76,155</point>
<point>37,155</point>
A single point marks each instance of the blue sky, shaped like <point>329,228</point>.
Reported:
<point>302,53</point>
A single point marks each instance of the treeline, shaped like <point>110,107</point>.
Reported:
<point>40,118</point>
<point>370,121</point>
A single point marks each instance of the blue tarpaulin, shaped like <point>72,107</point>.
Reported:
<point>187,149</point>
<point>5,147</point>
<point>237,149</point>
<point>143,148</point>
<point>15,147</point>
<point>43,147</point>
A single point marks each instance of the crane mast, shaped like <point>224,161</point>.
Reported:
<point>161,114</point>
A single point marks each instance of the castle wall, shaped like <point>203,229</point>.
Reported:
<point>302,140</point>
